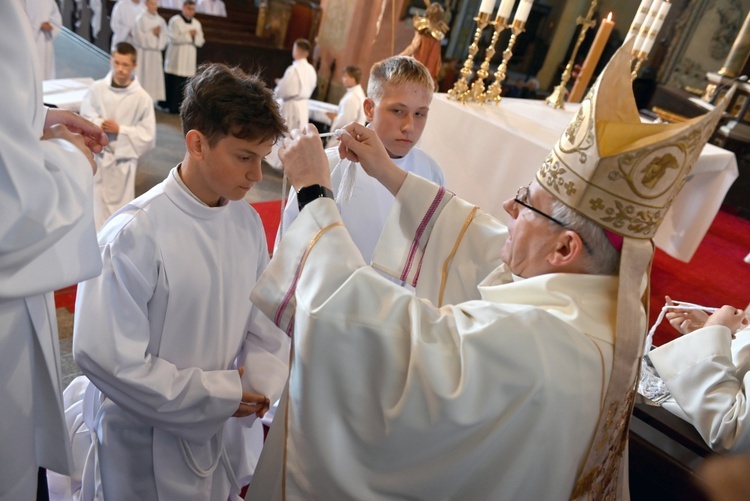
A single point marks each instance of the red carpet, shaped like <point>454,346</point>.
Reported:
<point>716,275</point>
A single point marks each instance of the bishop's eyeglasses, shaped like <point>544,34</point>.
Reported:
<point>522,198</point>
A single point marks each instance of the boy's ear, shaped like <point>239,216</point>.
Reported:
<point>195,142</point>
<point>369,106</point>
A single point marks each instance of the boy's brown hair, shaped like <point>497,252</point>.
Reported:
<point>220,101</point>
<point>354,72</point>
<point>126,49</point>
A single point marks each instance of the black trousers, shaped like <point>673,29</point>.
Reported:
<point>175,86</point>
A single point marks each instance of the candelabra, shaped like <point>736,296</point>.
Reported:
<point>460,90</point>
<point>495,90</point>
<point>557,98</point>
<point>477,88</point>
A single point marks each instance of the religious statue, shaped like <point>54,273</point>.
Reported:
<point>429,32</point>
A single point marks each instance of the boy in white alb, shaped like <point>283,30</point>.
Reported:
<point>45,19</point>
<point>124,14</point>
<point>150,39</point>
<point>182,361</point>
<point>185,36</point>
<point>125,112</point>
<point>351,106</point>
<point>399,93</point>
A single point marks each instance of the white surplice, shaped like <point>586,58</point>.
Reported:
<point>294,89</point>
<point>161,333</point>
<point>150,67</point>
<point>41,11</point>
<point>707,373</point>
<point>122,22</point>
<point>182,50</point>
<point>365,213</point>
<point>47,242</point>
<point>391,397</point>
<point>351,109</point>
<point>211,7</point>
<point>132,108</point>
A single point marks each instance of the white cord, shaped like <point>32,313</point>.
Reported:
<point>677,305</point>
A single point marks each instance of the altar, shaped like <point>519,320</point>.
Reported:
<point>489,151</point>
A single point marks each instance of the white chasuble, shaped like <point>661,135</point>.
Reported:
<point>392,397</point>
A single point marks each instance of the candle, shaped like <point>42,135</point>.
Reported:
<point>522,12</point>
<point>592,58</point>
<point>653,30</point>
<point>647,22</point>
<point>635,27</point>
<point>487,6</point>
<point>506,7</point>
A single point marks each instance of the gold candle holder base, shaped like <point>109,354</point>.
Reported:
<point>494,93</point>
<point>460,91</point>
<point>557,98</point>
<point>639,58</point>
<point>477,88</point>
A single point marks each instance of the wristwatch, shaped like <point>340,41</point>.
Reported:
<point>310,193</point>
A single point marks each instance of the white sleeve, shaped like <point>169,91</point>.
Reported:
<point>700,372</point>
<point>289,85</point>
<point>47,235</point>
<point>136,139</point>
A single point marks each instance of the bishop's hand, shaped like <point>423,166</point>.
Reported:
<point>363,145</point>
<point>305,162</point>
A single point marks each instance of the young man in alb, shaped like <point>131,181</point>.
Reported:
<point>150,39</point>
<point>181,359</point>
<point>399,93</point>
<point>185,36</point>
<point>120,106</point>
<point>351,106</point>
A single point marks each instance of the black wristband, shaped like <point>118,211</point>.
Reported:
<point>313,192</point>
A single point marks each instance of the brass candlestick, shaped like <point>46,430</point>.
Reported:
<point>477,88</point>
<point>557,98</point>
<point>460,90</point>
<point>639,57</point>
<point>495,90</point>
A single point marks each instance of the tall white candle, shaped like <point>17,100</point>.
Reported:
<point>506,7</point>
<point>487,6</point>
<point>645,28</point>
<point>522,12</point>
<point>640,16</point>
<point>655,27</point>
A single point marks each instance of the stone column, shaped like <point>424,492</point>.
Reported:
<point>739,53</point>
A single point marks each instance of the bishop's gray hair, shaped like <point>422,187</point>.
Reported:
<point>602,257</point>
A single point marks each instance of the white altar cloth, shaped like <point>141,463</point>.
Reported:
<point>66,93</point>
<point>488,151</point>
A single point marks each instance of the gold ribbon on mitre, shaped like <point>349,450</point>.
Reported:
<point>623,175</point>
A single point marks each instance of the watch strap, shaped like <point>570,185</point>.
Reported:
<point>310,193</point>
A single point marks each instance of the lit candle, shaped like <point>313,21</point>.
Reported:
<point>653,30</point>
<point>506,7</point>
<point>522,12</point>
<point>635,27</point>
<point>487,6</point>
<point>592,58</point>
<point>643,33</point>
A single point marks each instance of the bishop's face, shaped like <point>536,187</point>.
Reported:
<point>228,169</point>
<point>531,236</point>
<point>399,116</point>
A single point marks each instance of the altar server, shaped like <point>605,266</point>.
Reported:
<point>122,22</point>
<point>125,112</point>
<point>211,7</point>
<point>707,372</point>
<point>294,90</point>
<point>46,22</point>
<point>185,36</point>
<point>150,38</point>
<point>167,333</point>
<point>47,241</point>
<point>351,106</point>
<point>510,372</point>
<point>399,93</point>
